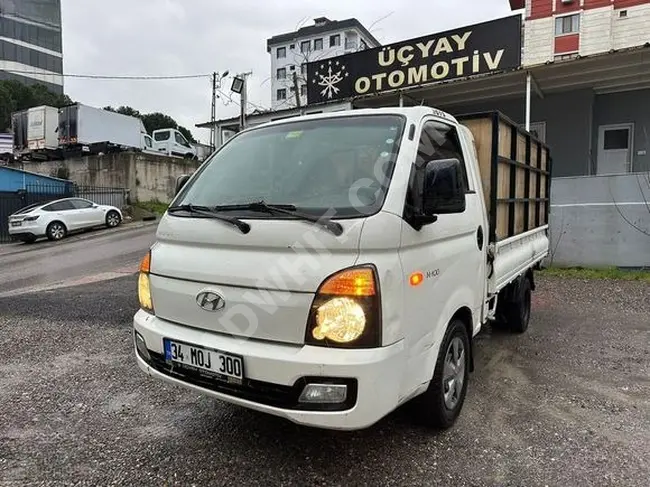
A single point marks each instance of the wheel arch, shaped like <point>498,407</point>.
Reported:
<point>56,220</point>
<point>464,314</point>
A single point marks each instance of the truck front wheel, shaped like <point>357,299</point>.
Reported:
<point>440,404</point>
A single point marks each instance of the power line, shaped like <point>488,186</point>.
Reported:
<point>230,99</point>
<point>110,77</point>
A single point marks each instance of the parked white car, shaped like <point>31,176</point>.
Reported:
<point>55,219</point>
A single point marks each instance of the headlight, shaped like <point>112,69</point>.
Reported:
<point>144,288</point>
<point>346,311</point>
<point>339,319</point>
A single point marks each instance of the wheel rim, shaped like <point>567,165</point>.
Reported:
<point>113,220</point>
<point>453,376</point>
<point>57,231</point>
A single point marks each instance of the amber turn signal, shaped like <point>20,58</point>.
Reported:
<point>145,263</point>
<point>416,279</point>
<point>352,282</point>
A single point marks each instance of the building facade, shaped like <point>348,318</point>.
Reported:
<point>557,29</point>
<point>290,53</point>
<point>31,48</point>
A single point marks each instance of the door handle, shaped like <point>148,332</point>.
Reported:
<point>479,237</point>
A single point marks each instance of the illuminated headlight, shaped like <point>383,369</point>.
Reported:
<point>346,310</point>
<point>144,287</point>
<point>144,292</point>
<point>341,320</point>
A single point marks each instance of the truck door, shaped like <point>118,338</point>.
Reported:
<point>449,252</point>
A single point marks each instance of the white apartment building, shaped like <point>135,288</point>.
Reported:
<point>290,53</point>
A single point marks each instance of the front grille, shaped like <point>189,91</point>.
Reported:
<point>267,393</point>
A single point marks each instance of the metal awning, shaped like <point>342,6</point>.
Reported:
<point>610,72</point>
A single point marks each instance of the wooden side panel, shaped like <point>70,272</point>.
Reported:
<point>481,129</point>
<point>520,185</point>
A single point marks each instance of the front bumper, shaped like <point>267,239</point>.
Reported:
<point>276,373</point>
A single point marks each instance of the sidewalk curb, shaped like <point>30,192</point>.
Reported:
<point>20,248</point>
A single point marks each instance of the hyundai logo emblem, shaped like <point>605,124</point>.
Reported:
<point>210,301</point>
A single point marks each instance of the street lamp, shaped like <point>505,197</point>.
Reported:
<point>237,85</point>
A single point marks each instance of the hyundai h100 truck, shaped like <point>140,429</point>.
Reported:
<point>330,268</point>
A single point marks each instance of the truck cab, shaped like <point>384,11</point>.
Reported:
<point>173,143</point>
<point>330,268</point>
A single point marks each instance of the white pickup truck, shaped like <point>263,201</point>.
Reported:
<point>330,268</point>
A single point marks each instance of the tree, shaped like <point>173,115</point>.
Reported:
<point>157,120</point>
<point>16,96</point>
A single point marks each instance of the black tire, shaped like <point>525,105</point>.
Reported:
<point>113,219</point>
<point>56,231</point>
<point>517,312</point>
<point>431,407</point>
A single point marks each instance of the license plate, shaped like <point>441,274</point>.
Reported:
<point>205,359</point>
<point>15,224</point>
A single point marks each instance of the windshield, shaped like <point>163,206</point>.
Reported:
<point>340,166</point>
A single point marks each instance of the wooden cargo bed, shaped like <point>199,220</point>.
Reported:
<point>515,171</point>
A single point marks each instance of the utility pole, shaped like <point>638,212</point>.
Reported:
<point>243,100</point>
<point>295,89</point>
<point>216,84</point>
<point>213,116</point>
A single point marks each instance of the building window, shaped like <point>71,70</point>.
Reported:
<point>281,94</point>
<point>305,46</point>
<point>569,24</point>
<point>281,52</point>
<point>351,43</point>
<point>303,90</point>
<point>335,40</point>
<point>281,73</point>
<point>303,69</point>
<point>292,46</point>
<point>318,44</point>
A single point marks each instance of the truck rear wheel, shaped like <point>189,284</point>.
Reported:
<point>513,308</point>
<point>440,404</point>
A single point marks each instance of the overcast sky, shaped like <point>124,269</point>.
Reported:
<point>181,37</point>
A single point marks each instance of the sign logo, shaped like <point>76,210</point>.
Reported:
<point>210,301</point>
<point>328,76</point>
<point>488,47</point>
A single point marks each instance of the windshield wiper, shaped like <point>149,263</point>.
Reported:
<point>211,213</point>
<point>290,210</point>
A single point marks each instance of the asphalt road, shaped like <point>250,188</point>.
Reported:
<point>566,404</point>
<point>80,258</point>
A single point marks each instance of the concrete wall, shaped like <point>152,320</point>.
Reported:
<point>568,125</point>
<point>601,221</point>
<point>148,177</point>
<point>628,107</point>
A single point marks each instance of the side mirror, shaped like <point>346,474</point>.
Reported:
<point>444,191</point>
<point>180,182</point>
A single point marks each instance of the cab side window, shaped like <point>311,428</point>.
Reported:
<point>437,141</point>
